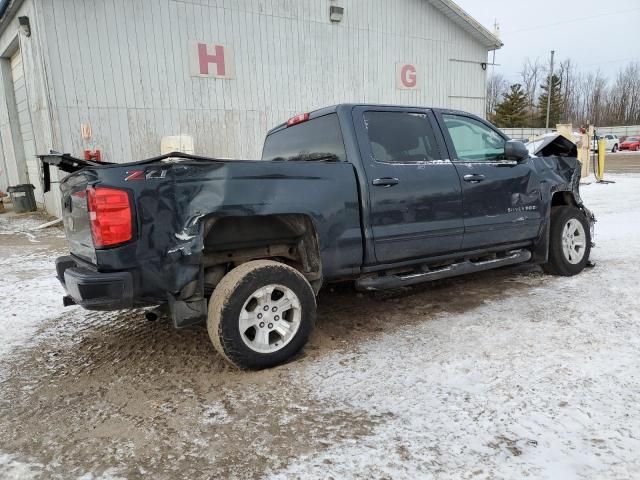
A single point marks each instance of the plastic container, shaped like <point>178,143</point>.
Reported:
<point>22,198</point>
<point>177,143</point>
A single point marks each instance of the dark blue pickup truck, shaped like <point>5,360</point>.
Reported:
<point>385,196</point>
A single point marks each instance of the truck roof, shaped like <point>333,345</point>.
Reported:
<point>348,106</point>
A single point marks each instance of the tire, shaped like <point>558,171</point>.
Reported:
<point>569,226</point>
<point>265,336</point>
<point>615,148</point>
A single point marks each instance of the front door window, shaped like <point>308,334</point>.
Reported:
<point>473,140</point>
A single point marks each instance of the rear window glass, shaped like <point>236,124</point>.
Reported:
<point>317,139</point>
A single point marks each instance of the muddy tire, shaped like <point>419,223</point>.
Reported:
<point>569,242</point>
<point>261,314</point>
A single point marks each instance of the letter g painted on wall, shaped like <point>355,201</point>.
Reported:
<point>407,76</point>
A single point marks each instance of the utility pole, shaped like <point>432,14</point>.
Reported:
<point>550,89</point>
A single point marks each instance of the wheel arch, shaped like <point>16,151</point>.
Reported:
<point>564,197</point>
<point>291,238</point>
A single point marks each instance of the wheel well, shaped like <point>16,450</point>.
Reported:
<point>563,198</point>
<point>288,238</point>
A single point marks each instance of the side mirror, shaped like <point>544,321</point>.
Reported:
<point>514,150</point>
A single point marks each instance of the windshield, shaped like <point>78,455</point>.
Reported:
<point>633,139</point>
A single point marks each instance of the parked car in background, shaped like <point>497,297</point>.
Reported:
<point>631,143</point>
<point>613,143</point>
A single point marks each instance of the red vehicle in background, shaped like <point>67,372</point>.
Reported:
<point>631,143</point>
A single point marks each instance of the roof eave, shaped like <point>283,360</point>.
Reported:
<point>8,10</point>
<point>468,23</point>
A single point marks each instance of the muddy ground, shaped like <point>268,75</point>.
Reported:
<point>112,395</point>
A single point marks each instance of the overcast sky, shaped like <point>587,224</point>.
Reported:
<point>594,33</point>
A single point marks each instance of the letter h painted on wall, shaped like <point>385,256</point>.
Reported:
<point>211,60</point>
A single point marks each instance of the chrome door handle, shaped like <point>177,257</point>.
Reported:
<point>385,182</point>
<point>473,178</point>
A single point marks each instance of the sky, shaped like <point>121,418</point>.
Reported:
<point>600,34</point>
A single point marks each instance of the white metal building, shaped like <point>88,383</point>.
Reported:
<point>119,75</point>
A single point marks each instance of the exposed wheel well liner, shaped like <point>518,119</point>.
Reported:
<point>564,197</point>
<point>288,238</point>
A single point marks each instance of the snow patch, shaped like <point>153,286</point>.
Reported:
<point>541,383</point>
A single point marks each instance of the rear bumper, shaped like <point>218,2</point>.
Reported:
<point>94,290</point>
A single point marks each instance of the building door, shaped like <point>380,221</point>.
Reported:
<point>25,126</point>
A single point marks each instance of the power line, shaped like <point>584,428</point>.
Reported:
<point>572,20</point>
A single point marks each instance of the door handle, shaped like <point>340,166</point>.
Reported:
<point>473,178</point>
<point>385,182</point>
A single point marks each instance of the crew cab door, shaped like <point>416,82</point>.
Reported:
<point>413,191</point>
<point>501,198</point>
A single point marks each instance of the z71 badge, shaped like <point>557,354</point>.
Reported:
<point>150,174</point>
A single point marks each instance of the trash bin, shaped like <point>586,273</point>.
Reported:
<point>22,198</point>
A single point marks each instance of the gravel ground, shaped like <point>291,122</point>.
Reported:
<point>503,374</point>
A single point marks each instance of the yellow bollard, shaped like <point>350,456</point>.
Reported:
<point>602,152</point>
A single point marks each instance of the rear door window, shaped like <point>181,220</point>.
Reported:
<point>319,139</point>
<point>402,137</point>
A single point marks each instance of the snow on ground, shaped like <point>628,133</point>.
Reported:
<point>30,291</point>
<point>543,384</point>
<point>505,374</point>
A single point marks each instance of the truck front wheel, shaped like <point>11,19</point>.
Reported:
<point>569,242</point>
<point>261,314</point>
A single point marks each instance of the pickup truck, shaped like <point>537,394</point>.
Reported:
<point>384,196</point>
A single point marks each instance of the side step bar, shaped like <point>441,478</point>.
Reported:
<point>461,268</point>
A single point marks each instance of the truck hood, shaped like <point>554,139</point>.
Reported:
<point>552,145</point>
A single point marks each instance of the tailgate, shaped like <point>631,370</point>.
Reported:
<point>75,215</point>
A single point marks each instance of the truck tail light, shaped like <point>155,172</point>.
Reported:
<point>303,117</point>
<point>110,216</point>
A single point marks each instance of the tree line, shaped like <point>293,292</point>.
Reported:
<point>579,98</point>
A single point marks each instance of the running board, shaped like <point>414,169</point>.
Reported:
<point>455,269</point>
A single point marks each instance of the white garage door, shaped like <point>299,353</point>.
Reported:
<point>24,118</point>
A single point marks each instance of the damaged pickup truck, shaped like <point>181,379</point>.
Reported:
<point>385,196</point>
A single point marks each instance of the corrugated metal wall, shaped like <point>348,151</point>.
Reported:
<point>123,66</point>
<point>27,124</point>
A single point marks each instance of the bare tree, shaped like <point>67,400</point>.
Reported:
<point>623,105</point>
<point>587,97</point>
<point>531,74</point>
<point>496,87</point>
<point>568,81</point>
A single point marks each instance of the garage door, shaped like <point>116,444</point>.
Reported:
<point>24,118</point>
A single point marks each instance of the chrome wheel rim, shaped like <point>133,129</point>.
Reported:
<point>574,241</point>
<point>270,318</point>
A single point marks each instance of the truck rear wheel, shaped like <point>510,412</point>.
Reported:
<point>261,314</point>
<point>569,242</point>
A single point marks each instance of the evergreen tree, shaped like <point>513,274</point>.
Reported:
<point>512,110</point>
<point>556,102</point>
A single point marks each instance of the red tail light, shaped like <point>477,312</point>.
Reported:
<point>110,215</point>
